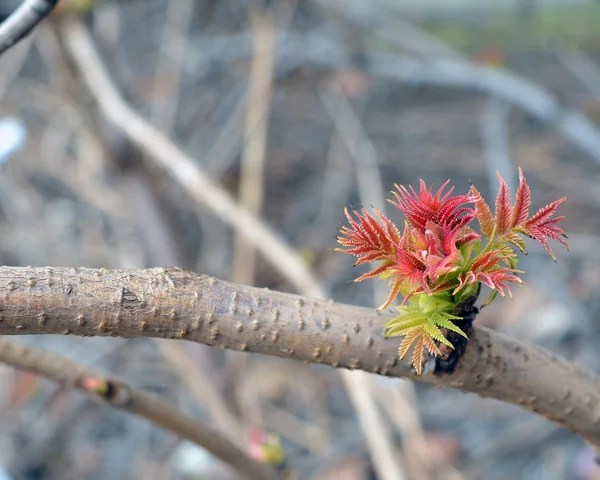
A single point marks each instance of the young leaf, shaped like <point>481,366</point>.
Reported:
<point>503,207</point>
<point>541,226</point>
<point>422,328</point>
<point>438,261</point>
<point>522,203</point>
<point>483,213</point>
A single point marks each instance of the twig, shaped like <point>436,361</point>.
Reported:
<point>172,303</point>
<point>376,431</point>
<point>122,396</point>
<point>496,144</point>
<point>225,148</point>
<point>11,65</point>
<point>170,63</point>
<point>371,192</point>
<point>253,155</point>
<point>23,20</point>
<point>199,385</point>
<point>582,67</point>
<point>359,146</point>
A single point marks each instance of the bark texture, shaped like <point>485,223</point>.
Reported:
<point>173,303</point>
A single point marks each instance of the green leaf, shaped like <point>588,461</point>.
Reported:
<point>517,241</point>
<point>511,259</point>
<point>403,325</point>
<point>424,327</point>
<point>437,302</point>
<point>435,333</point>
<point>444,321</point>
<point>468,249</point>
<point>468,290</point>
<point>404,316</point>
<point>490,299</point>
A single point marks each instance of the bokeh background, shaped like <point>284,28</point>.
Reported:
<point>313,105</point>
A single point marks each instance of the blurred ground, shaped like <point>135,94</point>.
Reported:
<point>349,108</point>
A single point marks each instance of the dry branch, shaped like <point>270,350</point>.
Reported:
<point>23,20</point>
<point>122,396</point>
<point>350,130</point>
<point>173,303</point>
<point>255,150</point>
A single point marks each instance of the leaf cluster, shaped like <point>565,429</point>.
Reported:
<point>439,259</point>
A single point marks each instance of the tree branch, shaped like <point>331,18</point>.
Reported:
<point>172,303</point>
<point>23,20</point>
<point>122,396</point>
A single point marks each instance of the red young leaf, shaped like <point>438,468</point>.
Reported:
<point>483,213</point>
<point>541,226</point>
<point>486,269</point>
<point>368,239</point>
<point>522,202</point>
<point>394,292</point>
<point>426,259</point>
<point>544,214</point>
<point>467,236</point>
<point>419,209</point>
<point>503,207</point>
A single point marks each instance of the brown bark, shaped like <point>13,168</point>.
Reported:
<point>172,303</point>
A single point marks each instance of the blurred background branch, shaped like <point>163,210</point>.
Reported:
<point>119,395</point>
<point>23,20</point>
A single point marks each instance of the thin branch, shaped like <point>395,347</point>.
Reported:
<point>169,66</point>
<point>173,303</point>
<point>582,67</point>
<point>23,20</point>
<point>122,396</point>
<point>377,431</point>
<point>386,462</point>
<point>371,192</point>
<point>496,143</point>
<point>206,394</point>
<point>254,153</point>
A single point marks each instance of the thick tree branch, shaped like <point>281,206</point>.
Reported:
<point>122,396</point>
<point>23,20</point>
<point>172,303</point>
